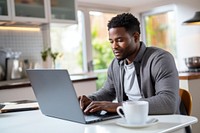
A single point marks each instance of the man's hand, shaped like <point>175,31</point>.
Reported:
<point>96,106</point>
<point>84,101</point>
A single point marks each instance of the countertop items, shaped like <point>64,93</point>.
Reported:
<point>16,106</point>
<point>2,73</point>
<point>193,62</point>
<point>1,106</point>
<point>21,122</point>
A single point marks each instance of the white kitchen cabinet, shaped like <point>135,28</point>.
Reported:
<point>17,94</point>
<point>85,87</point>
<point>38,11</point>
<point>62,11</point>
<point>30,10</point>
<point>5,10</point>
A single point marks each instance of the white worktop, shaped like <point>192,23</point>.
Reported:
<point>16,90</point>
<point>10,84</point>
<point>36,122</point>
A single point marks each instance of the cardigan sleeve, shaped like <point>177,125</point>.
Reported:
<point>107,92</point>
<point>162,84</point>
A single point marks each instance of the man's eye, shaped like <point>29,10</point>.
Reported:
<point>119,40</point>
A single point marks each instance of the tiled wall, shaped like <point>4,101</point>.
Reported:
<point>30,43</point>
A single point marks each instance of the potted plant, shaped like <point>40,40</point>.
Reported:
<point>47,53</point>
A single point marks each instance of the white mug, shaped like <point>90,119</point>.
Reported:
<point>134,112</point>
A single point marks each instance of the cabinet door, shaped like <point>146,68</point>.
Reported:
<point>5,10</point>
<point>30,10</point>
<point>63,11</point>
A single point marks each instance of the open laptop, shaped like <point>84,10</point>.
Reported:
<point>56,96</point>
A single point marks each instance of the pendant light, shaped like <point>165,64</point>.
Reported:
<point>195,20</point>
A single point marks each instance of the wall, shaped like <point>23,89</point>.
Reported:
<point>188,40</point>
<point>30,43</point>
<point>188,37</point>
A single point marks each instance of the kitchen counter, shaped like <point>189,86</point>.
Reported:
<point>189,75</point>
<point>15,90</point>
<point>83,77</point>
<point>26,83</point>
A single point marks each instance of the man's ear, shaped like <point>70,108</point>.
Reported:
<point>136,36</point>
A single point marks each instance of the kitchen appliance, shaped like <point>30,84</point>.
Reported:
<point>193,62</point>
<point>13,69</point>
<point>4,53</point>
<point>2,74</point>
<point>10,63</point>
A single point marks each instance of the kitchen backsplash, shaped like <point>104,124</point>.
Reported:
<point>30,43</point>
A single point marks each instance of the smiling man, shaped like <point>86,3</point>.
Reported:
<point>136,73</point>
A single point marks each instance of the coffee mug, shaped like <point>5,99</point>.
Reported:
<point>134,112</point>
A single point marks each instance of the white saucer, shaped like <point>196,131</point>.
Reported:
<point>150,122</point>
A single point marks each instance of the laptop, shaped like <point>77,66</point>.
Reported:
<point>57,98</point>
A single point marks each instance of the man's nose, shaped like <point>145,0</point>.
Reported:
<point>115,45</point>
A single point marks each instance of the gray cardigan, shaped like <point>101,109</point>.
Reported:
<point>157,78</point>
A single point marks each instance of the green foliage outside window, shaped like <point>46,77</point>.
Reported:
<point>102,56</point>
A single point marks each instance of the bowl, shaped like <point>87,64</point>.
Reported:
<point>193,62</point>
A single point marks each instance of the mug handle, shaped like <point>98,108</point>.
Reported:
<point>120,108</point>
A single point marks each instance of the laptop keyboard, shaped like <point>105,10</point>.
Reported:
<point>95,115</point>
<point>99,116</point>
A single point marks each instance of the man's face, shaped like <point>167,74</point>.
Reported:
<point>122,43</point>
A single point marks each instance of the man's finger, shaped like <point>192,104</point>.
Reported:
<point>81,101</point>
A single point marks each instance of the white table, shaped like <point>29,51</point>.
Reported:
<point>36,122</point>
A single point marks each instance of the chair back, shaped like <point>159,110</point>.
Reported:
<point>186,99</point>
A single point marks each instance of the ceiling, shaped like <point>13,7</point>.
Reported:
<point>120,3</point>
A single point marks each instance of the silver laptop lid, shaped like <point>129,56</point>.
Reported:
<point>55,94</point>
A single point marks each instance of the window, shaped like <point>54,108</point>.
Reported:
<point>101,50</point>
<point>159,29</point>
<point>68,41</point>
<point>75,41</point>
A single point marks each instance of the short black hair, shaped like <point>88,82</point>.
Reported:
<point>126,20</point>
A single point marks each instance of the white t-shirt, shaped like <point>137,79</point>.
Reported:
<point>131,86</point>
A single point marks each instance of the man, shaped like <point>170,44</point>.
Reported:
<point>136,73</point>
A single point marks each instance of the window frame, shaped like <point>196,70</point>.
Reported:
<point>87,44</point>
<point>155,11</point>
